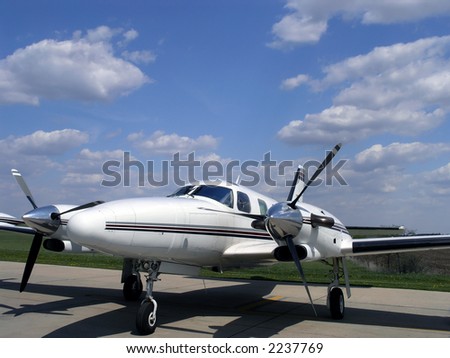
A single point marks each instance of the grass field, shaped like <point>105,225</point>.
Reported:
<point>14,247</point>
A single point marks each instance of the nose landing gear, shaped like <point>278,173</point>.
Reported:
<point>132,290</point>
<point>146,316</point>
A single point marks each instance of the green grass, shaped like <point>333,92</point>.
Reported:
<point>14,247</point>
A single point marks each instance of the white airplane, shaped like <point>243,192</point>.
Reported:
<point>205,225</point>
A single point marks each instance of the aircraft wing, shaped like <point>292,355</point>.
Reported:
<point>375,231</point>
<point>10,223</point>
<point>383,245</point>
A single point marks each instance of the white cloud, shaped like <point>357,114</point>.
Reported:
<point>397,154</point>
<point>139,56</point>
<point>294,82</point>
<point>37,155</point>
<point>401,89</point>
<point>100,34</point>
<point>295,29</point>
<point>307,20</point>
<point>130,35</point>
<point>83,68</point>
<point>438,180</point>
<point>85,171</point>
<point>161,143</point>
<point>44,143</point>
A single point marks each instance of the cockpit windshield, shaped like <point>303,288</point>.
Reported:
<point>182,191</point>
<point>218,193</point>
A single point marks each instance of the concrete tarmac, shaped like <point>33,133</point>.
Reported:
<point>79,302</point>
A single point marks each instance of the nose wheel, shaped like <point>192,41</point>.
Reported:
<point>146,316</point>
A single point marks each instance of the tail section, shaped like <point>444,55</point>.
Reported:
<point>297,184</point>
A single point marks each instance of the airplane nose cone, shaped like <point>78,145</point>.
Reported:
<point>86,227</point>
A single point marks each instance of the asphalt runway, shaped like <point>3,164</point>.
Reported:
<point>79,302</point>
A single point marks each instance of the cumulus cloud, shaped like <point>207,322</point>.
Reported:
<point>83,68</point>
<point>294,82</point>
<point>44,143</point>
<point>397,154</point>
<point>161,143</point>
<point>307,20</point>
<point>86,168</point>
<point>139,56</point>
<point>401,89</point>
<point>438,180</point>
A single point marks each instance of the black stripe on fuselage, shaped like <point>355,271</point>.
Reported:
<point>196,230</point>
<point>189,229</point>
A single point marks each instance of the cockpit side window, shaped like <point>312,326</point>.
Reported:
<point>219,193</point>
<point>262,206</point>
<point>243,202</point>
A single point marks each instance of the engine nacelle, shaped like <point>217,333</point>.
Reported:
<point>304,252</point>
<point>57,245</point>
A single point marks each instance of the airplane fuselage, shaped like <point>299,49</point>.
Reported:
<point>194,229</point>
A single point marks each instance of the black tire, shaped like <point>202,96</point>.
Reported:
<point>145,324</point>
<point>132,288</point>
<point>337,305</point>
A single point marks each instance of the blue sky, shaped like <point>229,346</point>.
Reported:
<point>81,82</point>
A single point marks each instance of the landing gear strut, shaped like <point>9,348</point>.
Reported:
<point>146,315</point>
<point>131,278</point>
<point>335,297</point>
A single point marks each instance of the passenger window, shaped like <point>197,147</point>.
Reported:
<point>262,206</point>
<point>243,202</point>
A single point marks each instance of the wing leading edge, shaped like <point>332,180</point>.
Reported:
<point>10,223</point>
<point>382,245</point>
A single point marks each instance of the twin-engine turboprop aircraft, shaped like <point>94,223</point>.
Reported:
<point>204,225</point>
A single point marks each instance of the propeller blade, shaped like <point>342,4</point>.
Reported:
<point>81,207</point>
<point>32,256</point>
<point>293,251</point>
<point>294,183</point>
<point>23,185</point>
<point>322,166</point>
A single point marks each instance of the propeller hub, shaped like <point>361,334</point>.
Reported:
<point>43,219</point>
<point>282,221</point>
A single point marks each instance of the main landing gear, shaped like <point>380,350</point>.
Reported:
<point>335,297</point>
<point>132,289</point>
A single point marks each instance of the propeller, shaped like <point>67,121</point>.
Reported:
<point>284,220</point>
<point>293,251</point>
<point>23,186</point>
<point>44,220</point>
<point>31,259</point>
<point>321,167</point>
